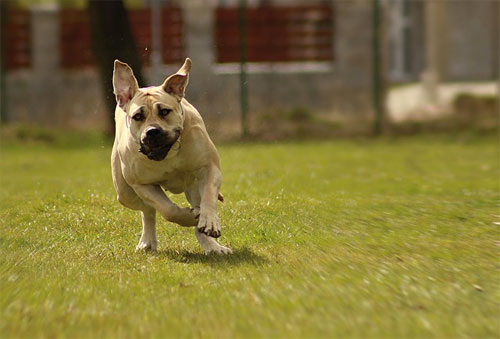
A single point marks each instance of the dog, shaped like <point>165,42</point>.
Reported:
<point>161,143</point>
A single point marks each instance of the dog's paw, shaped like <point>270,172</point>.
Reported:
<point>196,212</point>
<point>217,249</point>
<point>209,224</point>
<point>146,245</point>
<point>185,217</point>
<point>210,245</point>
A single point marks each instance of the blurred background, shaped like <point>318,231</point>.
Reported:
<point>268,69</point>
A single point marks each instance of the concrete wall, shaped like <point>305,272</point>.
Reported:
<point>321,87</point>
<point>473,40</point>
<point>465,37</point>
<point>342,88</point>
<point>49,95</point>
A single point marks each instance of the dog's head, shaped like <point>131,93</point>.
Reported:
<point>154,114</point>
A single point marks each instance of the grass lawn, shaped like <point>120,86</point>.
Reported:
<point>363,238</point>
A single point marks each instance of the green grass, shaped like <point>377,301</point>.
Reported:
<point>364,238</point>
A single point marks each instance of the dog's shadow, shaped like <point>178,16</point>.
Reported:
<point>240,256</point>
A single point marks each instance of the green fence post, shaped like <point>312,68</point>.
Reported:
<point>377,85</point>
<point>3,62</point>
<point>243,70</point>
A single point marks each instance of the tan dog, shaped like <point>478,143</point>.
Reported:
<point>161,142</point>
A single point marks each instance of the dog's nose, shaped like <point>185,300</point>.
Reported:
<point>153,132</point>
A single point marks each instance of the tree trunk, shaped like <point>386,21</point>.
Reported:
<point>112,39</point>
<point>3,62</point>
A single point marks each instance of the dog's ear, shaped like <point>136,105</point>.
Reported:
<point>124,83</point>
<point>176,83</point>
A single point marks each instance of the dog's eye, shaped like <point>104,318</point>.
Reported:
<point>138,116</point>
<point>164,112</point>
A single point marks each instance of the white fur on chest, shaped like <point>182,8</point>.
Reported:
<point>171,173</point>
<point>178,182</point>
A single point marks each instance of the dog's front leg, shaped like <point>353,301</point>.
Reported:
<point>154,196</point>
<point>209,223</point>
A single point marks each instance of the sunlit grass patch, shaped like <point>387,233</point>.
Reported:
<point>390,237</point>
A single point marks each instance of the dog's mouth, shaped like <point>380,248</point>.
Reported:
<point>155,153</point>
<point>157,147</point>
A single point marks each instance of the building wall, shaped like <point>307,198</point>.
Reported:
<point>469,31</point>
<point>319,87</point>
<point>47,94</point>
<point>44,93</point>
<point>473,40</point>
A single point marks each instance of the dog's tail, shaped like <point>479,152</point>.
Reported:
<point>220,197</point>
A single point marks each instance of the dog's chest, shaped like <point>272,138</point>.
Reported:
<point>177,181</point>
<point>172,177</point>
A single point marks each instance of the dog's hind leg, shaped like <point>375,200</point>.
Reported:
<point>194,198</point>
<point>128,198</point>
<point>148,238</point>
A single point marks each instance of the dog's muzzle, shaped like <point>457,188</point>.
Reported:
<point>157,143</point>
